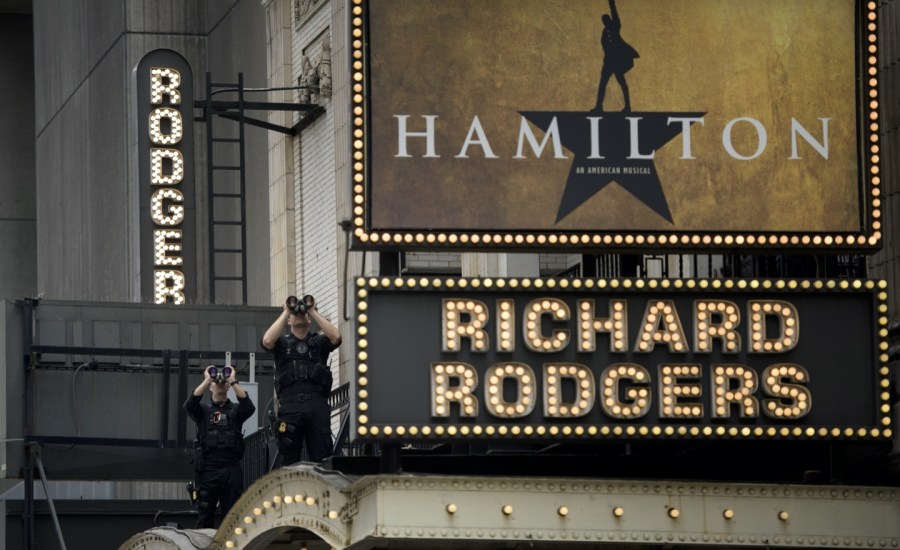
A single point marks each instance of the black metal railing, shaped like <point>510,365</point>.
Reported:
<point>258,454</point>
<point>260,448</point>
<point>163,363</point>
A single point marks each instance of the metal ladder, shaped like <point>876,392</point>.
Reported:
<point>226,198</point>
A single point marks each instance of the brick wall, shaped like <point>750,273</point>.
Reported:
<point>433,262</point>
<point>316,217</point>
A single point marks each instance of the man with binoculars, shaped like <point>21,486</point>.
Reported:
<point>302,380</point>
<point>220,442</point>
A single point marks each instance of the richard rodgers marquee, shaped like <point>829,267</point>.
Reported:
<point>548,359</point>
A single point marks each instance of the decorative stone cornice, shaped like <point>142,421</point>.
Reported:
<point>496,511</point>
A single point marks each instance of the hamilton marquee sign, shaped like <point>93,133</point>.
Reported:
<point>630,124</point>
<point>621,359</point>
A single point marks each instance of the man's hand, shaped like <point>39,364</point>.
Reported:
<point>273,332</point>
<point>207,380</point>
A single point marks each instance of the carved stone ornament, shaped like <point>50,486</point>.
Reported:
<point>315,80</point>
<point>324,68</point>
<point>308,88</point>
<point>302,8</point>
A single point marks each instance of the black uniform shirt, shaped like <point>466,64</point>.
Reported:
<point>212,416</point>
<point>313,349</point>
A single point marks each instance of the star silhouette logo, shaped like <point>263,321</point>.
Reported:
<point>613,148</point>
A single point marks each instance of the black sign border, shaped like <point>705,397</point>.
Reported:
<point>362,429</point>
<point>141,79</point>
<point>867,240</point>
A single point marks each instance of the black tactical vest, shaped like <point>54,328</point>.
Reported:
<point>302,361</point>
<point>219,431</point>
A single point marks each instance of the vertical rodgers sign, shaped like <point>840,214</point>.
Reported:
<point>166,178</point>
<point>588,359</point>
<point>626,124</point>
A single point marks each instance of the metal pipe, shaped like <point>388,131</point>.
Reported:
<point>28,508</point>
<point>164,413</point>
<point>40,465</point>
<point>181,425</point>
<point>243,189</point>
<point>210,190</point>
<point>28,505</point>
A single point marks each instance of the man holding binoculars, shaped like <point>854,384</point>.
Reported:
<point>220,442</point>
<point>302,380</point>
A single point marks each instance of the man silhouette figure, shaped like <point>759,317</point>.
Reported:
<point>618,56</point>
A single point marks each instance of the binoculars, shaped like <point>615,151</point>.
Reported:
<point>220,375</point>
<point>299,307</point>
